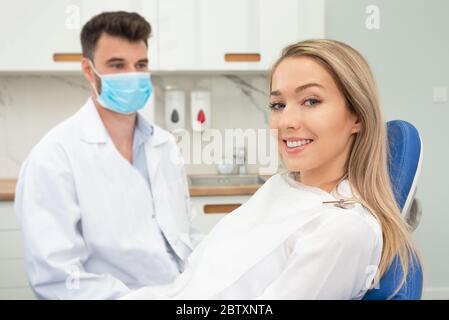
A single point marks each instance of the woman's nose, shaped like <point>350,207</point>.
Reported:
<point>290,118</point>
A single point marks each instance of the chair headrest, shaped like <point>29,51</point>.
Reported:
<point>405,156</point>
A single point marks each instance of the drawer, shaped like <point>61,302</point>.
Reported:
<point>217,204</point>
<point>11,244</point>
<point>8,218</point>
<point>19,293</point>
<point>208,211</point>
<point>13,273</point>
<point>205,222</point>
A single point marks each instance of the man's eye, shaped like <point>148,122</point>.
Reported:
<point>311,102</point>
<point>277,106</point>
<point>142,65</point>
<point>117,66</point>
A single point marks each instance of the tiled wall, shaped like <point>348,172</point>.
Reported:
<point>32,104</point>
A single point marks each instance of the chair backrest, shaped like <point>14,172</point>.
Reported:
<point>405,156</point>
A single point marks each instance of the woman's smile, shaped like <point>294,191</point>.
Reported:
<point>296,145</point>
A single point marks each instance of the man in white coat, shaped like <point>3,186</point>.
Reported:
<point>103,199</point>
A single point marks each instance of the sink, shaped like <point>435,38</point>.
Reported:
<point>225,180</point>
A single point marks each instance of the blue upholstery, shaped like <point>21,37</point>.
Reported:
<point>405,153</point>
<point>404,147</point>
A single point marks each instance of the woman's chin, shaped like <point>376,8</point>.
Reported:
<point>293,166</point>
<point>294,163</point>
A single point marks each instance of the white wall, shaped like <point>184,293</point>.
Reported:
<point>409,56</point>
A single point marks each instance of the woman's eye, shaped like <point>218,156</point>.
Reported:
<point>277,106</point>
<point>311,102</point>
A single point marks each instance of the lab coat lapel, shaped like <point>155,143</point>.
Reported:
<point>118,190</point>
<point>94,132</point>
<point>155,154</point>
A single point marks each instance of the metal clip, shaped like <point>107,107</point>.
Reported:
<point>342,203</point>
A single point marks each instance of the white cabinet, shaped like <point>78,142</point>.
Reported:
<point>203,221</point>
<point>33,31</point>
<point>199,34</point>
<point>188,35</point>
<point>13,276</point>
<point>285,22</point>
<point>196,34</point>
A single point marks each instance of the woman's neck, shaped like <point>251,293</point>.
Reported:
<point>320,179</point>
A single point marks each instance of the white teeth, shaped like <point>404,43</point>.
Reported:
<point>293,144</point>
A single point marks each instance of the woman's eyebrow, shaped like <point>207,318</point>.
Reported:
<point>277,93</point>
<point>308,85</point>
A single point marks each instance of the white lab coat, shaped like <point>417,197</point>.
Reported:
<point>84,211</point>
<point>284,243</point>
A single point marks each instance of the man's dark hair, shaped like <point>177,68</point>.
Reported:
<point>127,25</point>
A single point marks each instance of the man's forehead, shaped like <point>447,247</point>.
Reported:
<point>121,50</point>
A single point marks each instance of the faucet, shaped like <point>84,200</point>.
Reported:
<point>240,159</point>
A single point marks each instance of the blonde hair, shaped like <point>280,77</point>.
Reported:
<point>366,168</point>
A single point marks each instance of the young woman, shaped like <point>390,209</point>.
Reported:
<point>294,239</point>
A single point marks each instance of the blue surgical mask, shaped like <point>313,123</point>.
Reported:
<point>124,93</point>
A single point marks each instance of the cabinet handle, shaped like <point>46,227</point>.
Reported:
<point>242,57</point>
<point>67,57</point>
<point>220,208</point>
<point>7,189</point>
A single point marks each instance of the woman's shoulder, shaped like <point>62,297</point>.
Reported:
<point>354,228</point>
<point>357,223</point>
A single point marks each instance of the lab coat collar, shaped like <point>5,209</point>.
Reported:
<point>159,136</point>
<point>94,131</point>
<point>92,127</point>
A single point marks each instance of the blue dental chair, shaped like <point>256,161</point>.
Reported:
<point>405,158</point>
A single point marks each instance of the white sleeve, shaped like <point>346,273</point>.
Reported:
<point>334,261</point>
<point>49,214</point>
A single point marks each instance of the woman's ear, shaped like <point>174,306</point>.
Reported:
<point>356,127</point>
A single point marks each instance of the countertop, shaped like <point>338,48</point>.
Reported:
<point>8,186</point>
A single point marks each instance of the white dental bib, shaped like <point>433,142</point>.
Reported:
<point>284,243</point>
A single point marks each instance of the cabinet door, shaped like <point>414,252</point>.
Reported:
<point>223,28</point>
<point>211,34</point>
<point>285,22</point>
<point>176,35</point>
<point>196,34</point>
<point>33,31</point>
<point>204,221</point>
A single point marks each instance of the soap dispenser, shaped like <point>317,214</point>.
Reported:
<point>200,109</point>
<point>174,109</point>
